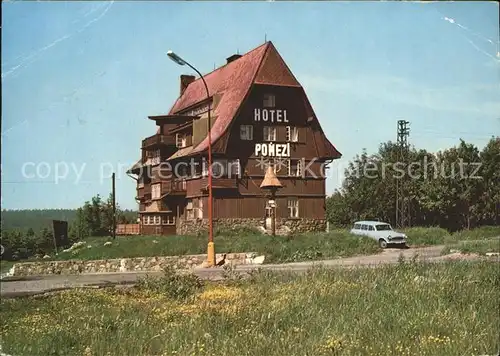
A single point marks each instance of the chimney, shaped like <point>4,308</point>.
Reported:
<point>233,58</point>
<point>185,81</point>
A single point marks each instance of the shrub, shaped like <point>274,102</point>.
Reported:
<point>175,285</point>
<point>480,233</point>
<point>426,235</point>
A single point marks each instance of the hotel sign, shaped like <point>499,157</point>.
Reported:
<point>270,115</point>
<point>271,149</point>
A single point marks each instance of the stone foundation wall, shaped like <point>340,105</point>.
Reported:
<point>146,264</point>
<point>283,226</point>
<point>304,225</point>
<point>200,226</point>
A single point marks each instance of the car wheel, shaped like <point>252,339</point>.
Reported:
<point>382,243</point>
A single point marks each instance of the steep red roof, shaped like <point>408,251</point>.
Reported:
<point>233,81</point>
<point>262,65</point>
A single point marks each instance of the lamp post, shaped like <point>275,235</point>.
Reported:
<point>211,247</point>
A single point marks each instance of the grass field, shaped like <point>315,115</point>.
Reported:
<point>406,309</point>
<point>276,249</point>
<point>279,249</point>
<point>479,247</point>
<point>5,266</point>
<point>426,236</point>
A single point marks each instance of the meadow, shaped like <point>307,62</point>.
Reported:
<point>295,248</point>
<point>405,309</point>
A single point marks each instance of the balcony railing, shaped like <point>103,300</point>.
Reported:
<point>151,161</point>
<point>173,187</point>
<point>142,192</point>
<point>157,140</point>
<point>228,183</point>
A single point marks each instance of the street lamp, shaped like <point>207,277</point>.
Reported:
<point>211,247</point>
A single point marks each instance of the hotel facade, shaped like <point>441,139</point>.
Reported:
<point>260,117</point>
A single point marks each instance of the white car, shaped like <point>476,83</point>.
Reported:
<point>381,232</point>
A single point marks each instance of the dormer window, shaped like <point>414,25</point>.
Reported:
<point>269,101</point>
<point>180,140</point>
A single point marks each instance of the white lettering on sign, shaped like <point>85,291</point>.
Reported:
<point>270,115</point>
<point>272,149</point>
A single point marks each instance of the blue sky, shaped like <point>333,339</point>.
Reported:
<point>80,78</point>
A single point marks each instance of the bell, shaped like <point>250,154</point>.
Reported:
<point>270,180</point>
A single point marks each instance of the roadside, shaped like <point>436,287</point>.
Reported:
<point>480,247</point>
<point>325,311</point>
<point>281,249</point>
<point>19,286</point>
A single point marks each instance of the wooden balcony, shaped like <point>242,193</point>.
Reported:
<point>173,187</point>
<point>157,140</point>
<point>220,183</point>
<point>159,175</point>
<point>143,192</point>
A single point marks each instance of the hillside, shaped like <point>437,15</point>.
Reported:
<point>37,219</point>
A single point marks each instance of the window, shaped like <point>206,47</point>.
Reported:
<point>293,208</point>
<point>364,227</point>
<point>180,140</point>
<point>189,210</point>
<point>219,168</point>
<point>269,133</point>
<point>198,169</point>
<point>370,228</point>
<point>140,182</point>
<point>156,191</point>
<point>148,220</point>
<point>234,168</point>
<point>384,227</point>
<point>269,101</point>
<point>181,170</point>
<point>292,134</point>
<point>246,132</point>
<point>294,168</point>
<point>157,220</point>
<point>357,227</point>
<point>168,220</point>
<point>153,157</point>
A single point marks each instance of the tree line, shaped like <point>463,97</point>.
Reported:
<point>35,236</point>
<point>457,188</point>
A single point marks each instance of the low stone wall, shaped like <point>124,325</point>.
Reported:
<point>200,226</point>
<point>283,226</point>
<point>146,264</point>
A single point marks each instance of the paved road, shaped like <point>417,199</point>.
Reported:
<point>18,286</point>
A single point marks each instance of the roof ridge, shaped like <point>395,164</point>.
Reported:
<point>224,65</point>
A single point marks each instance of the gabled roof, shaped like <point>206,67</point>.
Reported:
<point>232,82</point>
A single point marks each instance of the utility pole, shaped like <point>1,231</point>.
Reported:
<point>402,199</point>
<point>114,206</point>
